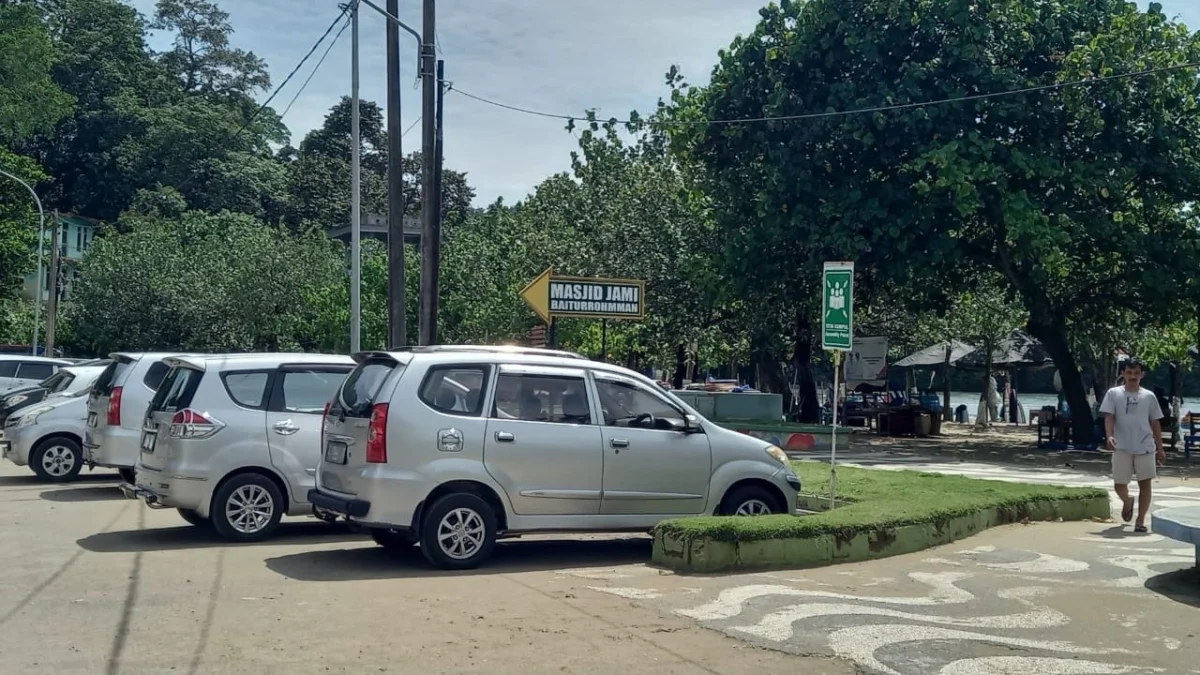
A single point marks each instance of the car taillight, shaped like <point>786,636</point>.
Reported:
<point>324,416</point>
<point>188,423</point>
<point>377,435</point>
<point>114,407</point>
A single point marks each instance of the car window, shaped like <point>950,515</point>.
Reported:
<point>457,390</point>
<point>177,390</point>
<point>155,374</point>
<point>8,368</point>
<point>56,382</point>
<point>34,371</point>
<point>621,402</point>
<point>542,398</point>
<point>248,390</point>
<point>363,385</point>
<point>307,391</point>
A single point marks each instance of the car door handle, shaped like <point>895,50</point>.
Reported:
<point>618,442</point>
<point>504,437</point>
<point>286,428</point>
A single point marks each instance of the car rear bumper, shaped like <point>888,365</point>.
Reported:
<point>346,507</point>
<point>164,491</point>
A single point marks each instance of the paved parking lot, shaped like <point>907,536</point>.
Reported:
<point>94,583</point>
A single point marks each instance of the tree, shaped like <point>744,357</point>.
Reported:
<point>205,282</point>
<point>30,101</point>
<point>202,58</point>
<point>1072,194</point>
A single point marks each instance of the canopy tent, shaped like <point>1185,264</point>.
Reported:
<point>935,355</point>
<point>1019,349</point>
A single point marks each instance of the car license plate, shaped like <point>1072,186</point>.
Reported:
<point>148,440</point>
<point>335,453</point>
<point>91,420</point>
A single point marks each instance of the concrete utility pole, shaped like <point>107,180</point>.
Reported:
<point>436,236</point>
<point>428,195</point>
<point>52,303</point>
<point>397,325</point>
<point>355,191</point>
<point>37,309</point>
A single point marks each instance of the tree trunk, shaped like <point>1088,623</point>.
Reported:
<point>680,365</point>
<point>1054,339</point>
<point>810,407</point>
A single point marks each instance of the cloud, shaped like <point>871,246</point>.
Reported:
<point>561,56</point>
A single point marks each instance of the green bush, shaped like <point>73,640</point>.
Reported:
<point>878,499</point>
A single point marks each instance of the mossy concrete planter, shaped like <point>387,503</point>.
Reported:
<point>701,554</point>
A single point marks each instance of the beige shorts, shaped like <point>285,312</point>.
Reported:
<point>1127,465</point>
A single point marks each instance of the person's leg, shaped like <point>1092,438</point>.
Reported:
<point>1147,471</point>
<point>1122,470</point>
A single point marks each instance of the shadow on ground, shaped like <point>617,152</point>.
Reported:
<point>83,494</point>
<point>376,562</point>
<point>33,481</point>
<point>193,537</point>
<point>1182,586</point>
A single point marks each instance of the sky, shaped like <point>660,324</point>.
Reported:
<point>560,56</point>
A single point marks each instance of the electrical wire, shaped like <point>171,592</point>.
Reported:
<point>315,69</point>
<point>843,113</point>
<point>410,127</point>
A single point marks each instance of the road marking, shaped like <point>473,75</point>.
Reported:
<point>859,643</point>
<point>731,601</point>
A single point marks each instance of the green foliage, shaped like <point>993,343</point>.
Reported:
<point>877,499</point>
<point>207,282</point>
<point>18,221</point>
<point>30,101</point>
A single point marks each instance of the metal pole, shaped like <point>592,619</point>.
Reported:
<point>428,122</point>
<point>52,302</point>
<point>438,156</point>
<point>37,309</point>
<point>837,360</point>
<point>397,302</point>
<point>355,192</point>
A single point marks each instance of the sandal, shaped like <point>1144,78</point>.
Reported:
<point>1140,529</point>
<point>1127,512</point>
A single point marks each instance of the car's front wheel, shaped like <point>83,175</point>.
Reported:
<point>247,508</point>
<point>750,500</point>
<point>458,532</point>
<point>57,460</point>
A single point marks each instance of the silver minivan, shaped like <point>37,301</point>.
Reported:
<point>452,447</point>
<point>234,440</point>
<point>115,408</point>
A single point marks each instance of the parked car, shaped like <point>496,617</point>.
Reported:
<point>18,371</point>
<point>115,408</point>
<point>68,380</point>
<point>235,439</point>
<point>541,441</point>
<point>48,436</point>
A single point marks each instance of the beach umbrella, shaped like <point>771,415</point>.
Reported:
<point>935,355</point>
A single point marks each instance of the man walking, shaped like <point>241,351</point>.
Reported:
<point>1134,433</point>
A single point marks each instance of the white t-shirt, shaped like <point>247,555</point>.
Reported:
<point>1132,413</point>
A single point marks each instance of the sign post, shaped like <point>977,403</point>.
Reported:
<point>837,337</point>
<point>554,297</point>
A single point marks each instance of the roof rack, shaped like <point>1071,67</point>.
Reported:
<point>499,349</point>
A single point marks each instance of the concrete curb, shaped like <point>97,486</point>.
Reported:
<point>702,555</point>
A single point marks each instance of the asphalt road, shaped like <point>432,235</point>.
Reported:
<point>92,583</point>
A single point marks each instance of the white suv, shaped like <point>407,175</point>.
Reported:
<point>452,447</point>
<point>234,440</point>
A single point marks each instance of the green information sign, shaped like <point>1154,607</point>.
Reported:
<point>837,307</point>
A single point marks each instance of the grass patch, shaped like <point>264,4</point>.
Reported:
<point>881,499</point>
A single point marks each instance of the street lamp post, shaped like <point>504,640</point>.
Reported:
<point>41,242</point>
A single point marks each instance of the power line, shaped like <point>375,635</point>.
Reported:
<point>315,69</point>
<point>842,113</point>
<point>316,45</point>
<point>410,127</point>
